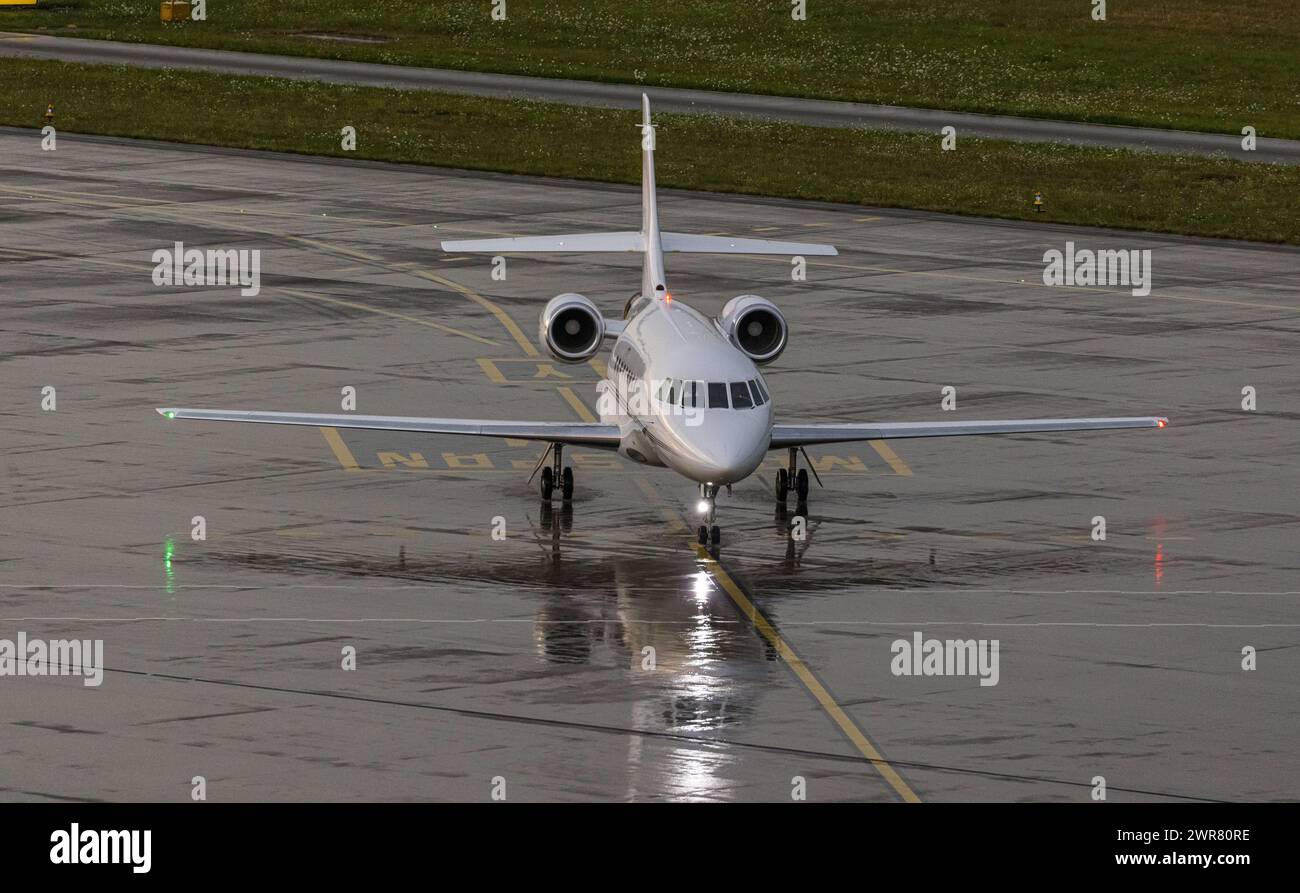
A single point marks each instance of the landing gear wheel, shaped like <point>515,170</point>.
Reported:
<point>704,535</point>
<point>801,484</point>
<point>782,484</point>
<point>566,483</point>
<point>715,535</point>
<point>548,484</point>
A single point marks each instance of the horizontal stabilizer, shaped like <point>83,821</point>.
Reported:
<point>573,242</point>
<point>685,242</point>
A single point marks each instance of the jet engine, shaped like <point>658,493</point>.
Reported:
<point>571,328</point>
<point>755,326</point>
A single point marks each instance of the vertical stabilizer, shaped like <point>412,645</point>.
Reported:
<point>649,240</point>
<point>653,283</point>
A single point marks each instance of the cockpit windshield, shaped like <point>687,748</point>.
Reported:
<point>740,398</point>
<point>693,394</point>
<point>718,395</point>
<point>690,394</point>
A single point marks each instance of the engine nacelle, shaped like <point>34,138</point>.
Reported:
<point>571,328</point>
<point>756,326</point>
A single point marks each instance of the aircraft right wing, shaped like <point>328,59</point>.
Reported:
<point>784,436</point>
<point>589,434</point>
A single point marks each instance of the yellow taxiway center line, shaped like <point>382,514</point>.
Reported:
<point>899,466</point>
<point>341,451</point>
<point>502,317</point>
<point>402,316</point>
<point>807,677</point>
<point>765,627</point>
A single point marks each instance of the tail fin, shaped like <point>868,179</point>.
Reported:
<point>653,281</point>
<point>649,240</point>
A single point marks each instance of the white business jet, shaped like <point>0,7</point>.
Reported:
<point>683,390</point>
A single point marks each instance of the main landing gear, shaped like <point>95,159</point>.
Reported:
<point>708,532</point>
<point>794,478</point>
<point>557,474</point>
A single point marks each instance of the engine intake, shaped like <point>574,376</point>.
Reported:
<point>571,328</point>
<point>755,326</point>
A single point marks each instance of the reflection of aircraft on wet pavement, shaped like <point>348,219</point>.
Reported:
<point>698,661</point>
<point>684,390</point>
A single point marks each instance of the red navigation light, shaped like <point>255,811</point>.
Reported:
<point>1160,423</point>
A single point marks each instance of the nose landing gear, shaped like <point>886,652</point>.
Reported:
<point>709,533</point>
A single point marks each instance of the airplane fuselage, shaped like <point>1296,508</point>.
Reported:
<point>685,397</point>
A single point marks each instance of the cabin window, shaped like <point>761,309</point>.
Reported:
<point>740,398</point>
<point>718,395</point>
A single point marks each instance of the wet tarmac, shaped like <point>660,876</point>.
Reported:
<point>594,653</point>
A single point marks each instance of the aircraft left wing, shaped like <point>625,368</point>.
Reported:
<point>587,434</point>
<point>784,436</point>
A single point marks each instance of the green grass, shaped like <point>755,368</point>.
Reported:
<point>1196,64</point>
<point>1105,187</point>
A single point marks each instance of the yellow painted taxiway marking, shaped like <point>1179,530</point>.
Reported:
<point>578,406</point>
<point>341,451</point>
<point>382,312</point>
<point>767,630</point>
<point>898,465</point>
<point>491,371</point>
<point>807,677</point>
<point>502,317</point>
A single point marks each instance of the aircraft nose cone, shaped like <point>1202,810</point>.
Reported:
<point>727,456</point>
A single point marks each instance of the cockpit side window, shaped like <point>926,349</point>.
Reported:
<point>758,385</point>
<point>758,395</point>
<point>740,398</point>
<point>718,395</point>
